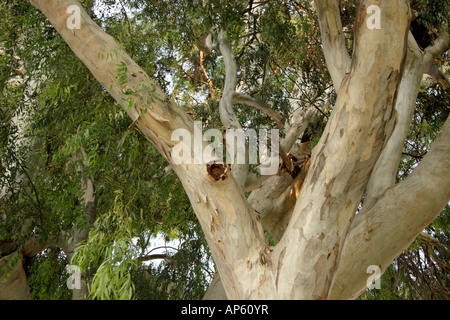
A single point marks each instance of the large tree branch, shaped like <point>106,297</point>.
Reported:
<point>432,53</point>
<point>342,161</point>
<point>382,230</point>
<point>440,45</point>
<point>385,171</point>
<point>273,197</point>
<point>234,234</point>
<point>416,64</point>
<point>154,113</point>
<point>90,214</point>
<point>333,40</point>
<point>89,195</point>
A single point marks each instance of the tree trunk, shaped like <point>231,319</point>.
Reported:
<point>322,246</point>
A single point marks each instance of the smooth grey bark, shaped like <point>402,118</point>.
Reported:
<point>308,262</point>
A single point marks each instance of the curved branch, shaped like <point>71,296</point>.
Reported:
<point>264,107</point>
<point>440,45</point>
<point>164,247</point>
<point>227,115</point>
<point>156,257</point>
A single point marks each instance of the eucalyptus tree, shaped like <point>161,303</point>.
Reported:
<point>343,99</point>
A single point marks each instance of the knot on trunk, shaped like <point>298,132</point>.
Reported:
<point>217,171</point>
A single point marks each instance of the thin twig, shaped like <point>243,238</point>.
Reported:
<point>413,155</point>
<point>156,257</point>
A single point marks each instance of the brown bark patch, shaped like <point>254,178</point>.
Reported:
<point>334,252</point>
<point>280,264</point>
<point>264,258</point>
<point>217,171</point>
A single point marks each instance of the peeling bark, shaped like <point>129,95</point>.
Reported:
<point>341,163</point>
<point>416,64</point>
<point>382,230</point>
<point>322,246</point>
